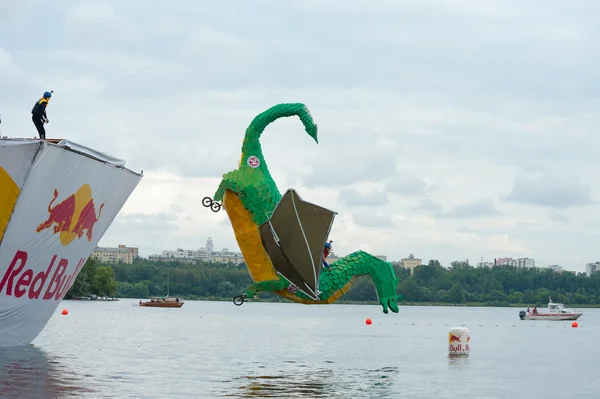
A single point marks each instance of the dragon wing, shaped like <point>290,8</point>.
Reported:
<point>294,238</point>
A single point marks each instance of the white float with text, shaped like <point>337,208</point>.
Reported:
<point>459,341</point>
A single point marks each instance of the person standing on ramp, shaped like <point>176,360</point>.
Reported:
<point>38,113</point>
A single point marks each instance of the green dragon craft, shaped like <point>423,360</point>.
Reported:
<point>282,237</point>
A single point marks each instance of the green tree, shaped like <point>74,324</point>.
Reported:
<point>442,296</point>
<point>497,295</point>
<point>409,289</point>
<point>362,290</point>
<point>529,296</point>
<point>82,286</point>
<point>515,297</point>
<point>457,293</point>
<point>104,282</point>
<point>140,290</point>
<point>225,288</point>
<point>124,289</point>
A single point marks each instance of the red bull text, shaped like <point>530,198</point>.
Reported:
<point>19,280</point>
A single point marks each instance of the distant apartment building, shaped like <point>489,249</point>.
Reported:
<point>485,264</point>
<point>411,262</point>
<point>520,262</point>
<point>122,253</point>
<point>206,254</point>
<point>525,262</point>
<point>556,268</point>
<point>179,255</point>
<point>504,262</point>
<point>592,268</point>
<point>227,256</point>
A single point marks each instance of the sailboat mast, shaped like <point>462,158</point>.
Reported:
<point>168,274</point>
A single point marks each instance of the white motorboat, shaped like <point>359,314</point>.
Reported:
<point>555,311</point>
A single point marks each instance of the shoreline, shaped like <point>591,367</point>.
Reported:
<point>346,302</point>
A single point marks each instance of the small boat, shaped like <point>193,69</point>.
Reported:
<point>555,311</point>
<point>163,302</point>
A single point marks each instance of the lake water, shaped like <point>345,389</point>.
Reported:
<point>264,350</point>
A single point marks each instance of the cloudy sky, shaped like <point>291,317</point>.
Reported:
<point>453,130</point>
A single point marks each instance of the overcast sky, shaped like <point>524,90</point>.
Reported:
<point>452,130</point>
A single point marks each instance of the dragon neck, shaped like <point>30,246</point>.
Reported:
<point>251,145</point>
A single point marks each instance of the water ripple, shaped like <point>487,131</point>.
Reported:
<point>29,372</point>
<point>331,382</point>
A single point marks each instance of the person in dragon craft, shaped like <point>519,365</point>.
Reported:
<point>326,252</point>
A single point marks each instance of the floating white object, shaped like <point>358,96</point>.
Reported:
<point>458,341</point>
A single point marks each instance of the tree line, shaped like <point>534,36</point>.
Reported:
<point>94,279</point>
<point>459,283</point>
<point>498,285</point>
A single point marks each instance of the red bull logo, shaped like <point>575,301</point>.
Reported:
<point>73,216</point>
<point>453,338</point>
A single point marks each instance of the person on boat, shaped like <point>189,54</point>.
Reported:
<point>39,115</point>
<point>326,253</point>
<point>535,310</point>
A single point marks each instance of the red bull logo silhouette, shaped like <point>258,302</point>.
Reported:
<point>453,338</point>
<point>72,217</point>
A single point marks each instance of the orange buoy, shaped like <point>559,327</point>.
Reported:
<point>65,311</point>
<point>575,324</point>
<point>368,321</point>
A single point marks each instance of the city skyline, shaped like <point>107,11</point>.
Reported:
<point>236,257</point>
<point>393,255</point>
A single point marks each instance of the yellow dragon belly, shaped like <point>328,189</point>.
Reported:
<point>247,235</point>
